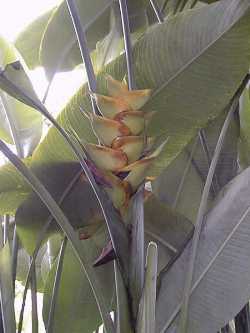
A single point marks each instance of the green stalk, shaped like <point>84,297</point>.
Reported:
<point>146,316</point>
<point>137,261</point>
<point>80,34</point>
<point>157,11</point>
<point>33,288</point>
<point>127,43</point>
<point>68,230</point>
<point>56,286</point>
<point>122,308</point>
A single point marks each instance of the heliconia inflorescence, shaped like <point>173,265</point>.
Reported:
<point>124,154</point>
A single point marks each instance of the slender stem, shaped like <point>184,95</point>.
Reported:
<point>34,300</point>
<point>203,141</point>
<point>6,224</point>
<point>50,324</point>
<point>15,246</point>
<point>185,173</point>
<point>127,42</point>
<point>12,124</point>
<point>183,323</point>
<point>1,320</point>
<point>92,84</point>
<point>39,242</point>
<point>157,11</point>
<point>137,262</point>
<point>46,93</point>
<point>161,241</point>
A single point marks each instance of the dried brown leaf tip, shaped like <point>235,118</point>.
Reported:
<point>124,153</point>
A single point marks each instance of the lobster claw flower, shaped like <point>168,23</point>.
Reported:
<point>132,146</point>
<point>118,190</point>
<point>110,106</point>
<point>138,170</point>
<point>105,158</point>
<point>121,162</point>
<point>107,130</point>
<point>135,98</point>
<point>136,121</point>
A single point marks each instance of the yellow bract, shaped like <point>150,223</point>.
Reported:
<point>124,155</point>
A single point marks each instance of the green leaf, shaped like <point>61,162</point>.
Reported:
<point>11,180</point>
<point>112,45</point>
<point>33,214</point>
<point>10,201</point>
<point>123,315</point>
<point>75,296</point>
<point>42,267</point>
<point>220,285</point>
<point>146,316</point>
<point>137,244</point>
<point>63,53</point>
<point>6,290</point>
<point>244,141</point>
<point>13,188</point>
<point>180,185</point>
<point>187,90</point>
<point>19,124</point>
<point>168,229</point>
<point>28,41</point>
<point>15,81</point>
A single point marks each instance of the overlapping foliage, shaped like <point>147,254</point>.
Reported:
<point>193,63</point>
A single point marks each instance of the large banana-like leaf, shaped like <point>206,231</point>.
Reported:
<point>75,296</point>
<point>181,184</point>
<point>19,124</point>
<point>194,63</point>
<point>28,41</point>
<point>221,280</point>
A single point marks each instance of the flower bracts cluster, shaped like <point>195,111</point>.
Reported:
<point>124,153</point>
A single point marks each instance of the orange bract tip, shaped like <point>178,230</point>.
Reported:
<point>115,87</point>
<point>132,146</point>
<point>107,129</point>
<point>119,191</point>
<point>110,106</point>
<point>106,158</point>
<point>134,120</point>
<point>137,98</point>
